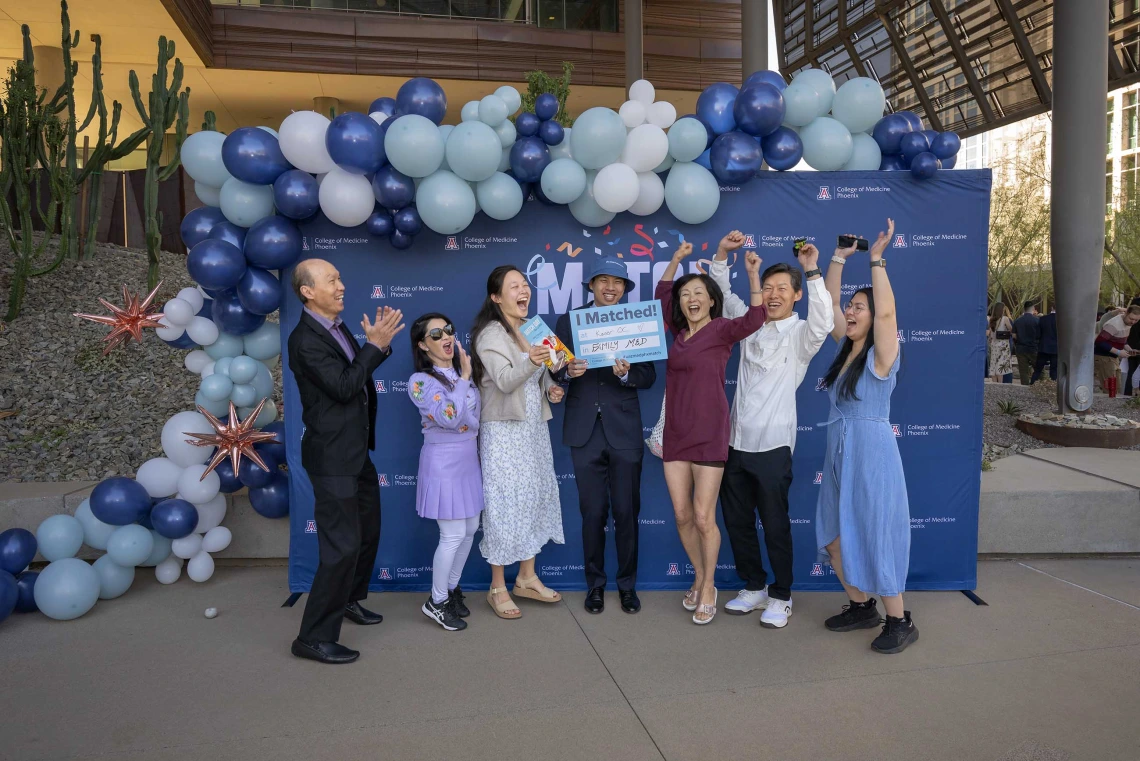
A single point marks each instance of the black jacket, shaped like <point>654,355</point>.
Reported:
<point>1026,332</point>
<point>600,391</point>
<point>1048,327</point>
<point>338,399</point>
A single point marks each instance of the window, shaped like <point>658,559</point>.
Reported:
<point>1128,122</point>
<point>1127,177</point>
<point>974,153</point>
<point>1108,187</point>
<point>1111,117</point>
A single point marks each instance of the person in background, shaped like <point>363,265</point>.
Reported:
<point>862,520</point>
<point>696,410</point>
<point>449,485</point>
<point>521,509</point>
<point>758,472</point>
<point>999,331</point>
<point>1047,350</point>
<point>1134,360</point>
<point>1026,340</point>
<point>602,428</point>
<point>1112,344</point>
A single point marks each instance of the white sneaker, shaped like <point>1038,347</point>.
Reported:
<point>747,601</point>
<point>775,616</point>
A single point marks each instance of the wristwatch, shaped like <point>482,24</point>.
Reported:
<point>812,273</point>
<point>880,263</point>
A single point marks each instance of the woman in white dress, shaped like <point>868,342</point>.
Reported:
<point>520,491</point>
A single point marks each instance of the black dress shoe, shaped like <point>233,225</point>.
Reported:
<point>630,602</point>
<point>324,652</point>
<point>358,615</point>
<point>595,600</point>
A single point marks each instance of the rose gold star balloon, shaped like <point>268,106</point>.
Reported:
<point>127,321</point>
<point>233,439</point>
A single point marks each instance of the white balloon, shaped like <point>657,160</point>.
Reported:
<point>650,194</point>
<point>632,113</point>
<point>196,361</point>
<point>174,438</point>
<point>169,331</point>
<point>211,514</point>
<point>346,198</point>
<point>208,368</point>
<point>159,476</point>
<point>646,147</point>
<point>202,331</point>
<point>201,567</point>
<point>196,489</point>
<point>168,571</point>
<point>378,116</point>
<point>642,91</point>
<point>616,187</point>
<point>187,547</point>
<point>217,539</point>
<point>511,97</point>
<point>302,140</point>
<point>193,297</point>
<point>661,114</point>
<point>208,194</point>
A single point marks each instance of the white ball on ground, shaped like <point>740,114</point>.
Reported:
<point>211,613</point>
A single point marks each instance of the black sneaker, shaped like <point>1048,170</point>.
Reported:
<point>455,597</point>
<point>444,615</point>
<point>857,615</point>
<point>897,634</point>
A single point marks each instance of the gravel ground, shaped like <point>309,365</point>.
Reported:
<point>80,415</point>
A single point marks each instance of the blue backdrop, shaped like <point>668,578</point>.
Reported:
<point>937,268</point>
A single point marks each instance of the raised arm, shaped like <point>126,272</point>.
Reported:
<point>664,289</point>
<point>886,325</point>
<point>821,315</point>
<point>739,328</point>
<point>834,283</point>
<point>733,305</point>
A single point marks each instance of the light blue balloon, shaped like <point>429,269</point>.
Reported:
<point>474,150</point>
<point>859,104</point>
<point>827,144</point>
<point>500,196</point>
<point>865,154</point>
<point>598,138</point>
<point>505,160</point>
<point>217,408</point>
<point>511,97</point>
<point>228,346</point>
<point>586,210</point>
<point>114,579</point>
<point>263,382</point>
<point>222,366</point>
<point>801,104</point>
<point>492,110</point>
<point>445,202</point>
<point>563,180</point>
<point>507,133</point>
<point>691,193</point>
<point>201,155</point>
<point>245,204</point>
<point>243,369</point>
<point>267,416</point>
<point>445,131</point>
<point>159,552</point>
<point>665,165</point>
<point>270,130</point>
<point>688,139</point>
<point>470,111</point>
<point>562,150</point>
<point>413,145</point>
<point>95,532</point>
<point>264,343</point>
<point>243,395</point>
<point>130,545</point>
<point>820,81</point>
<point>66,589</point>
<point>475,189</point>
<point>60,536</point>
<point>216,387</point>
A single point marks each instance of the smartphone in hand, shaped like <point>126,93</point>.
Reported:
<point>847,241</point>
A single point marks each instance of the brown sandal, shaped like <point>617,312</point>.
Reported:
<point>533,589</point>
<point>502,609</point>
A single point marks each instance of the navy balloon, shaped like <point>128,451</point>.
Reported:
<point>355,143</point>
<point>889,132</point>
<point>945,145</point>
<point>913,144</point>
<point>380,223</point>
<point>714,107</point>
<point>182,342</point>
<point>272,501</point>
<point>25,588</point>
<point>144,519</point>
<point>527,124</point>
<point>253,476</point>
<point>230,481</point>
<point>273,243</point>
<point>783,149</point>
<point>231,317</point>
<point>924,165</point>
<point>546,106</point>
<point>551,132</point>
<point>913,120</point>
<point>296,194</point>
<point>393,190</point>
<point>705,159</point>
<point>17,549</point>
<point>536,188</point>
<point>9,594</point>
<point>759,109</point>
<point>950,162</point>
<point>422,96</point>
<point>529,156</point>
<point>207,307</point>
<point>215,264</point>
<point>765,77</point>
<point>174,518</point>
<point>230,233</point>
<point>253,155</point>
<point>889,163</point>
<point>408,221</point>
<point>385,105</point>
<point>736,158</point>
<point>119,501</point>
<point>196,225</point>
<point>400,240</point>
<point>259,291</point>
<point>273,450</point>
<point>930,134</point>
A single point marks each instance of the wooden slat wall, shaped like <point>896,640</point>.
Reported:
<point>195,20</point>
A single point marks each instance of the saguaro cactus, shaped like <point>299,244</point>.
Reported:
<point>63,102</point>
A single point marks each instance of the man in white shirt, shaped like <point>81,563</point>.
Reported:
<point>758,473</point>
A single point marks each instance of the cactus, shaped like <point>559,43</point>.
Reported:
<point>211,123</point>
<point>63,102</point>
<point>165,104</point>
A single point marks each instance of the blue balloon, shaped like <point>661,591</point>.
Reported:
<point>272,501</point>
<point>385,105</point>
<point>399,240</point>
<point>913,120</point>
<point>259,292</point>
<point>950,163</point>
<point>182,342</point>
<point>715,106</point>
<point>407,221</point>
<point>527,124</point>
<point>144,519</point>
<point>253,476</point>
<point>891,163</point>
<point>275,449</point>
<point>929,134</point>
<point>296,194</point>
<point>783,149</point>
<point>767,77</point>
<point>254,156</point>
<point>230,233</point>
<point>355,143</point>
<point>119,501</point>
<point>230,481</point>
<point>912,144</point>
<point>207,307</point>
<point>705,159</point>
<point>393,189</point>
<point>9,594</point>
<point>422,96</point>
<point>924,165</point>
<point>551,132</point>
<point>529,156</point>
<point>546,107</point>
<point>197,224</point>
<point>945,145</point>
<point>26,587</point>
<point>216,264</point>
<point>759,110</point>
<point>174,518</point>
<point>273,243</point>
<point>736,158</point>
<point>233,318</point>
<point>380,223</point>
<point>17,549</point>
<point>888,133</point>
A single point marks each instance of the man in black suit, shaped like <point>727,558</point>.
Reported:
<point>602,427</point>
<point>338,408</point>
<point>1047,351</point>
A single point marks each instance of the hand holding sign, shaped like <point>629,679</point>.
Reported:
<point>621,367</point>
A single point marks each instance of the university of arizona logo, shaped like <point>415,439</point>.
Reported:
<point>750,241</point>
<point>377,291</point>
<point>310,527</point>
<point>817,569</point>
<point>820,385</point>
<point>898,431</point>
<point>381,388</point>
<point>818,478</point>
<point>674,570</point>
<point>304,243</point>
<point>384,575</point>
<point>452,244</point>
<point>900,240</point>
<point>902,338</point>
<point>382,478</point>
<point>824,193</point>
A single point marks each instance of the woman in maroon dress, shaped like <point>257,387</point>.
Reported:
<point>695,441</point>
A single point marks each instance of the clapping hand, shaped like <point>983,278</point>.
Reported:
<point>883,242</point>
<point>388,323</point>
<point>555,394</point>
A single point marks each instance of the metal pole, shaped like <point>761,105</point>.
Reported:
<point>753,37</point>
<point>1080,90</point>
<point>634,50</point>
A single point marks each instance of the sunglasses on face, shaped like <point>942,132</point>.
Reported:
<point>437,333</point>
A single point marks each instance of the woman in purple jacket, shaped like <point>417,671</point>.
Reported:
<point>450,485</point>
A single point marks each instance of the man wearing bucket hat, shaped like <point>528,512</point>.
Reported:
<point>602,427</point>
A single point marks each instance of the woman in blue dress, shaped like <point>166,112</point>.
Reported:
<point>862,520</point>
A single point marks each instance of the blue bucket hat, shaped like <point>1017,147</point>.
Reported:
<point>609,266</point>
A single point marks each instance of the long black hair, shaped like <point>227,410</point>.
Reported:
<point>420,359</point>
<point>851,377</point>
<point>716,296</point>
<point>488,313</point>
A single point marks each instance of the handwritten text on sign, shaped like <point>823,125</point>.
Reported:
<point>633,332</point>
